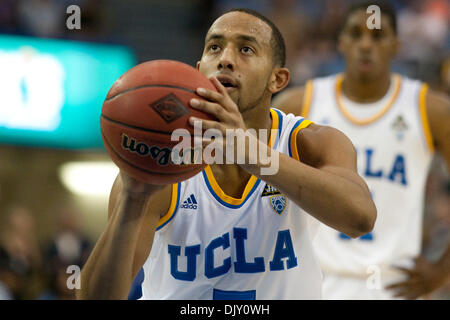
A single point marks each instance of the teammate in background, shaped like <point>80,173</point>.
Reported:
<point>395,123</point>
<point>240,235</point>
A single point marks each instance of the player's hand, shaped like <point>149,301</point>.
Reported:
<point>220,105</point>
<point>424,278</point>
<point>137,188</point>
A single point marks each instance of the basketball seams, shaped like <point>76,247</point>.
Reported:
<point>136,127</point>
<point>150,86</point>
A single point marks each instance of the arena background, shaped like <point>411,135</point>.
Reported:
<point>54,173</point>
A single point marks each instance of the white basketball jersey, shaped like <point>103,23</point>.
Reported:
<point>394,151</point>
<point>213,246</point>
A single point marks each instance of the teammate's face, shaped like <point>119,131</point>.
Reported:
<point>367,52</point>
<point>238,52</point>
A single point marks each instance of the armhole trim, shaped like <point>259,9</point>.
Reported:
<point>424,117</point>
<point>293,147</point>
<point>174,201</point>
<point>307,98</point>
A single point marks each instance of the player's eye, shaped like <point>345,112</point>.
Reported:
<point>214,48</point>
<point>355,33</point>
<point>246,50</point>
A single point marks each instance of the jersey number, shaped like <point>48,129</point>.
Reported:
<point>234,295</point>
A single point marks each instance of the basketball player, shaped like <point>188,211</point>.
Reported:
<point>228,232</point>
<point>395,124</point>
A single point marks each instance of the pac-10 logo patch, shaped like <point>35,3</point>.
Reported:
<point>278,203</point>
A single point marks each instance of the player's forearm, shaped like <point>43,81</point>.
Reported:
<point>336,201</point>
<point>108,273</point>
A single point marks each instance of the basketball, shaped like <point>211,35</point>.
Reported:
<point>140,112</point>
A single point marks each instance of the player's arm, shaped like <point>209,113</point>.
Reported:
<point>290,100</point>
<point>133,213</point>
<point>325,183</point>
<point>438,110</point>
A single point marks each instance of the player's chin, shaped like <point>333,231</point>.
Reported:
<point>234,94</point>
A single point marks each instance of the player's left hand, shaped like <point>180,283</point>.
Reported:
<point>424,278</point>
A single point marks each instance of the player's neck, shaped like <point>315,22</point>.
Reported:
<point>258,118</point>
<point>231,178</point>
<point>366,91</point>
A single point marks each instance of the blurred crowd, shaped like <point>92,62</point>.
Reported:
<point>34,269</point>
<point>31,268</point>
<point>310,29</point>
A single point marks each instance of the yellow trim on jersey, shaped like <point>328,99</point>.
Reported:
<point>222,195</point>
<point>253,179</point>
<point>362,122</point>
<point>307,98</point>
<point>293,138</point>
<point>424,116</point>
<point>275,126</point>
<point>172,208</point>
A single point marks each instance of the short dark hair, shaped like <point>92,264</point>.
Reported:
<point>276,41</point>
<point>385,7</point>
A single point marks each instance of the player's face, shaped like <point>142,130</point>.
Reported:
<point>238,52</point>
<point>367,52</point>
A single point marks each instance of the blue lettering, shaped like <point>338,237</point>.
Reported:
<point>398,169</point>
<point>369,172</point>
<point>241,266</point>
<point>191,253</point>
<point>283,249</point>
<point>210,271</point>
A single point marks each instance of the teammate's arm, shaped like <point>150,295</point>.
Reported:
<point>290,100</point>
<point>133,213</point>
<point>438,110</point>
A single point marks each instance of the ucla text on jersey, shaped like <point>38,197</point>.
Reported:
<point>257,246</point>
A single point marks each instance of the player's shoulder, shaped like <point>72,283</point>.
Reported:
<point>319,142</point>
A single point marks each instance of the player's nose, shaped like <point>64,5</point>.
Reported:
<point>226,60</point>
<point>365,43</point>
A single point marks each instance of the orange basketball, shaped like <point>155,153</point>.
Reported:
<point>139,114</point>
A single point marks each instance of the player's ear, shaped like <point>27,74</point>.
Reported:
<point>198,65</point>
<point>279,79</point>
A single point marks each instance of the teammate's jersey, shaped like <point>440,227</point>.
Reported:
<point>394,151</point>
<point>213,246</point>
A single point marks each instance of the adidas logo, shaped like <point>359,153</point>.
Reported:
<point>190,203</point>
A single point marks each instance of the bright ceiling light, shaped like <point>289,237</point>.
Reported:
<point>88,178</point>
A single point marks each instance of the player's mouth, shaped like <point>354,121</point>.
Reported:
<point>365,64</point>
<point>228,82</point>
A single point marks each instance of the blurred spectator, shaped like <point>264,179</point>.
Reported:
<point>67,247</point>
<point>8,278</point>
<point>292,25</point>
<point>42,18</point>
<point>20,251</point>
<point>8,16</point>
